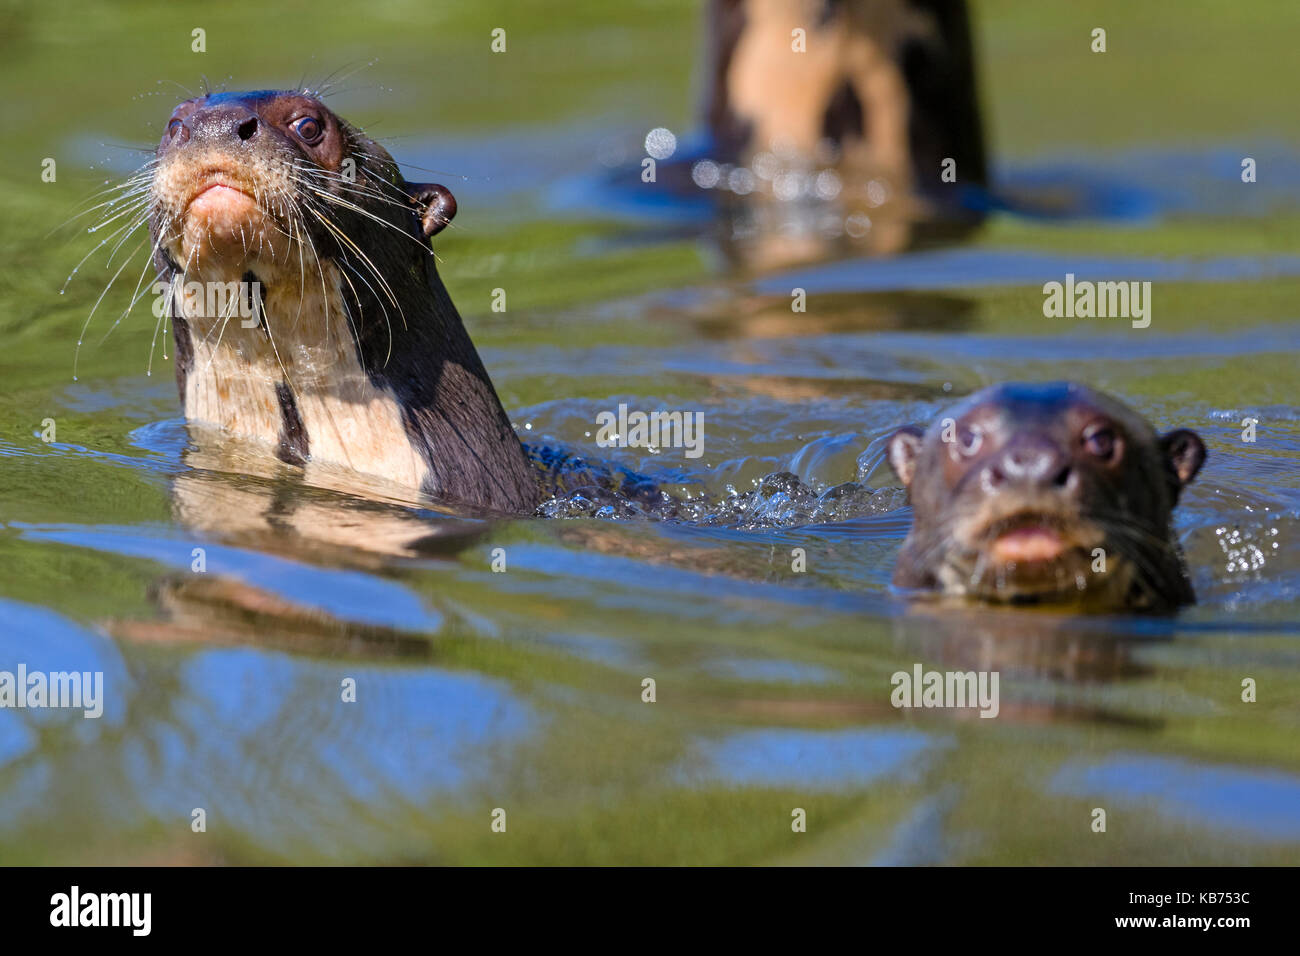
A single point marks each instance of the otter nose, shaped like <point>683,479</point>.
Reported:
<point>1031,462</point>
<point>223,124</point>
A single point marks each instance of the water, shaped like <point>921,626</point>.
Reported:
<point>478,690</point>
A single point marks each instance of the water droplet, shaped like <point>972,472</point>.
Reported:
<point>706,174</point>
<point>660,143</point>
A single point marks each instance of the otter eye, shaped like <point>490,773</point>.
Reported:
<point>969,440</point>
<point>1100,441</point>
<point>173,128</point>
<point>308,129</point>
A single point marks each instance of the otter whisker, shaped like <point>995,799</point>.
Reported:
<point>387,321</point>
<point>168,305</point>
<point>347,240</point>
<point>100,245</point>
<point>76,357</point>
<point>351,323</point>
<point>424,169</point>
<point>124,200</point>
<point>327,86</point>
<point>136,296</point>
<point>138,194</point>
<point>128,234</point>
<point>320,272</point>
<point>225,317</point>
<point>295,222</point>
<point>398,198</point>
<point>338,201</point>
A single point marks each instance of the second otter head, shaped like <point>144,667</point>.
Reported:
<point>1045,493</point>
<point>268,180</point>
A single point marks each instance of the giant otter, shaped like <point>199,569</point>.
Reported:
<point>1052,493</point>
<point>337,345</point>
<point>887,85</point>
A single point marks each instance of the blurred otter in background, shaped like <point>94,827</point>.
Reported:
<point>842,122</point>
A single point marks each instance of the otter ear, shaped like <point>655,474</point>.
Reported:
<point>437,206</point>
<point>904,447</point>
<point>1185,452</point>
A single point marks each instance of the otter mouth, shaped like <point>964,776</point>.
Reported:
<point>222,191</point>
<point>216,218</point>
<point>1026,539</point>
<point>1030,556</point>
<point>219,189</point>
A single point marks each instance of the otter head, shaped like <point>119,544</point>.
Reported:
<point>268,181</point>
<point>306,309</point>
<point>1045,493</point>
